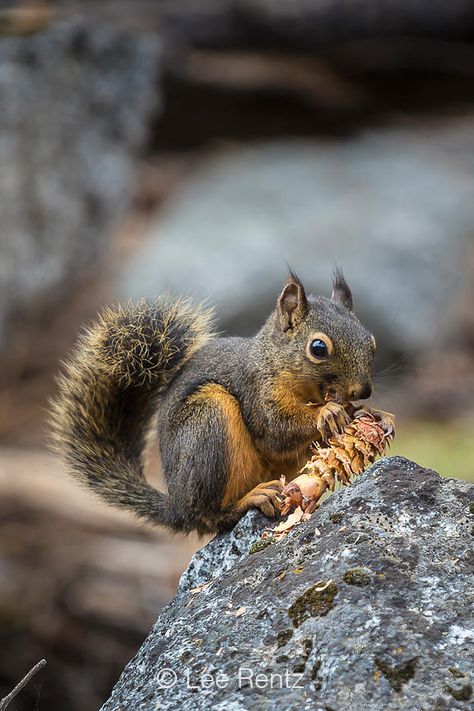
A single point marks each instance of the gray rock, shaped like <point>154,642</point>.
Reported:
<point>394,208</point>
<point>366,606</point>
<point>76,100</point>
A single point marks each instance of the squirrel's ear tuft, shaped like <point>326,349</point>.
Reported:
<point>292,304</point>
<point>341,293</point>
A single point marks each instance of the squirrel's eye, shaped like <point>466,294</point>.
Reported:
<point>318,348</point>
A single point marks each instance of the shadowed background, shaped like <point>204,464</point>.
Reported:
<point>197,147</point>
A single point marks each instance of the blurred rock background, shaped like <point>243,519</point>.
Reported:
<point>195,146</point>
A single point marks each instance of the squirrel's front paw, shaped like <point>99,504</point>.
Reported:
<point>386,420</point>
<point>332,418</point>
<point>265,497</point>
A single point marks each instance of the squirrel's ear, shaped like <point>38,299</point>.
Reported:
<point>341,293</point>
<point>292,304</point>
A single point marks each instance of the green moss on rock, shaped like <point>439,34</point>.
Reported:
<point>283,637</point>
<point>314,602</point>
<point>460,687</point>
<point>457,673</point>
<point>460,691</point>
<point>397,674</point>
<point>356,576</point>
<point>261,544</point>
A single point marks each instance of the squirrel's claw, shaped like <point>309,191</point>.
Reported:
<point>386,420</point>
<point>266,497</point>
<point>331,420</point>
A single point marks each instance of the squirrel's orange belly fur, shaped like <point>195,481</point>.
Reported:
<point>247,466</point>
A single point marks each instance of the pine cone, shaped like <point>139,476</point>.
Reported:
<point>347,455</point>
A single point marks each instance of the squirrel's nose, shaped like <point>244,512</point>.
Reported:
<point>361,392</point>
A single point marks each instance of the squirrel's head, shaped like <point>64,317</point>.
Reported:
<point>321,343</point>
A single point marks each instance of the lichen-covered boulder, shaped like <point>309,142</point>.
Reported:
<point>366,606</point>
<point>75,102</point>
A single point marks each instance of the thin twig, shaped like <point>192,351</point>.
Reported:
<point>21,685</point>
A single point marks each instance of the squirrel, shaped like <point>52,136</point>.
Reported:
<point>232,414</point>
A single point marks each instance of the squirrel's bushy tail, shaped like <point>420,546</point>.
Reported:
<point>107,396</point>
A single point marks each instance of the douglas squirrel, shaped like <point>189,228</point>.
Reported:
<point>233,414</point>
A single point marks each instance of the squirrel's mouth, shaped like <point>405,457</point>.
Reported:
<point>318,392</point>
<point>325,392</point>
<point>332,395</point>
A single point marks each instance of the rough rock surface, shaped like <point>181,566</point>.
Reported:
<point>393,207</point>
<point>75,104</point>
<point>366,606</point>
